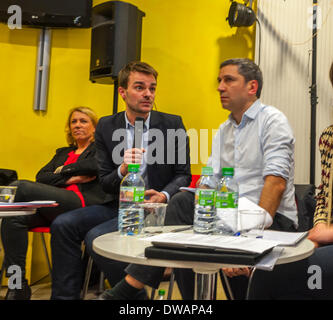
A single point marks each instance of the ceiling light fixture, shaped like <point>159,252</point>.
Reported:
<point>240,15</point>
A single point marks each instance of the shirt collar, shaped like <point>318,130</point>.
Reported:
<point>250,113</point>
<point>145,125</point>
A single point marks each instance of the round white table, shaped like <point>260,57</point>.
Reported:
<point>130,249</point>
<point>13,213</point>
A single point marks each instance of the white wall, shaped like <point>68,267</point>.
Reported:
<point>285,60</point>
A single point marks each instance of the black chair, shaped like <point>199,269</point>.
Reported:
<point>306,205</point>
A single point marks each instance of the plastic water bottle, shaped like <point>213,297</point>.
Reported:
<point>131,214</point>
<point>204,206</point>
<point>161,294</point>
<point>226,203</point>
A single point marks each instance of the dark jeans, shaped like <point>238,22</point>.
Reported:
<point>116,270</point>
<point>239,284</point>
<point>14,231</point>
<point>306,279</point>
<point>68,231</point>
<point>181,209</point>
<point>113,270</point>
<point>151,276</point>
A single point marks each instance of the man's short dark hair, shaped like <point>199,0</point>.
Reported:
<point>134,66</point>
<point>248,69</point>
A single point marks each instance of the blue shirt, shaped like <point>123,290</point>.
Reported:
<point>145,138</point>
<point>261,144</point>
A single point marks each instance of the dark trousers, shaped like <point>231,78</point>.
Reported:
<point>239,284</point>
<point>113,270</point>
<point>179,211</point>
<point>68,231</point>
<point>14,230</point>
<point>306,279</point>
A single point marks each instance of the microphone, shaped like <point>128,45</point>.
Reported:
<point>138,131</point>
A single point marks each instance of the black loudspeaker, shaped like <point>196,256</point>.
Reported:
<point>115,39</point>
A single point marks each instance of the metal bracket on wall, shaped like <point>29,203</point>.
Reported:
<point>246,2</point>
<point>42,70</point>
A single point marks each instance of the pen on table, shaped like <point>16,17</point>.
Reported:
<point>182,229</point>
<point>152,232</point>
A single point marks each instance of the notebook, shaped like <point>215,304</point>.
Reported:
<point>204,255</point>
<point>212,248</point>
<point>284,238</point>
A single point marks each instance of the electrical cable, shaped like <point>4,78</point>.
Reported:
<point>259,42</point>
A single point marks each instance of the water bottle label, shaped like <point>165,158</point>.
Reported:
<point>205,197</point>
<point>226,200</point>
<point>135,194</point>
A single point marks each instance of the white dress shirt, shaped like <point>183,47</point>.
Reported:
<point>261,144</point>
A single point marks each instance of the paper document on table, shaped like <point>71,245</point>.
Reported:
<point>267,263</point>
<point>27,205</point>
<point>216,242</point>
<point>284,238</point>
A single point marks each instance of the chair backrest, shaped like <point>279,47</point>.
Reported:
<point>7,176</point>
<point>40,229</point>
<point>306,205</point>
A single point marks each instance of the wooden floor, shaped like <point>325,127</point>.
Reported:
<point>42,291</point>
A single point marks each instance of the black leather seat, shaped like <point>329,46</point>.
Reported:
<point>306,205</point>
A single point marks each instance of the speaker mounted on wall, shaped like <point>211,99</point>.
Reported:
<point>115,39</point>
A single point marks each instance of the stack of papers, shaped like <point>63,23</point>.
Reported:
<point>284,238</point>
<point>30,205</point>
<point>268,262</point>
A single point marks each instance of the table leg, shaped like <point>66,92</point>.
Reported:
<point>205,284</point>
<point>249,284</point>
<point>2,271</point>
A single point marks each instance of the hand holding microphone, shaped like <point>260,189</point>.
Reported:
<point>135,154</point>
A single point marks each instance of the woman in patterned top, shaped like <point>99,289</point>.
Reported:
<point>322,232</point>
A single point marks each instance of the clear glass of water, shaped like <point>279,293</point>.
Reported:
<point>7,193</point>
<point>252,223</point>
<point>154,215</point>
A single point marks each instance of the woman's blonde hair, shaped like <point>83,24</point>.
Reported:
<point>87,111</point>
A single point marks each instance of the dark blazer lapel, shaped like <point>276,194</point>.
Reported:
<point>119,123</point>
<point>155,123</point>
<point>120,120</point>
<point>86,152</point>
<point>115,122</point>
<point>154,119</point>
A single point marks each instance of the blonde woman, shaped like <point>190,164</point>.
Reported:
<point>70,179</point>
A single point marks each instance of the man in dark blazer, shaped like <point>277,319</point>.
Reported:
<point>165,166</point>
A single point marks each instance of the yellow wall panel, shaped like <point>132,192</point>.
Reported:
<point>184,40</point>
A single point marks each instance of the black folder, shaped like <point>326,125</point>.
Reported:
<point>204,254</point>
